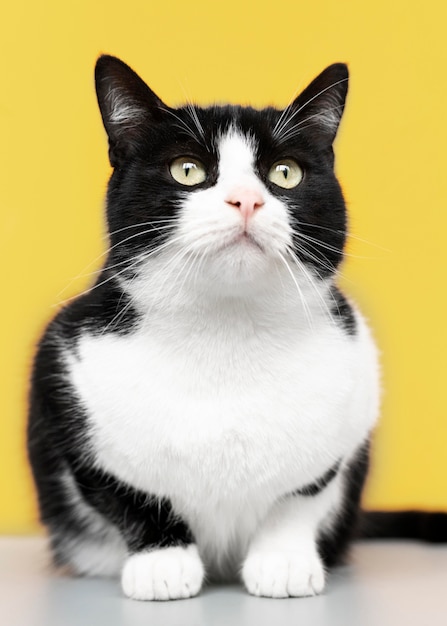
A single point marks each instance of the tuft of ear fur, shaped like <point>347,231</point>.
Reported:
<point>127,106</point>
<point>317,111</point>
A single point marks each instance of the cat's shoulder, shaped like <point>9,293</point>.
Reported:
<point>105,308</point>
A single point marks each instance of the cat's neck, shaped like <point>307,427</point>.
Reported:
<point>283,301</point>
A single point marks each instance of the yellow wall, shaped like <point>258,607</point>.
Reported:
<point>391,161</point>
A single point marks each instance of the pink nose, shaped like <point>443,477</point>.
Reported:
<point>246,200</point>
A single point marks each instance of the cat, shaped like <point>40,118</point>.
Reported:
<point>204,411</point>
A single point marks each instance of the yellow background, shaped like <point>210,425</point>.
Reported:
<point>390,159</point>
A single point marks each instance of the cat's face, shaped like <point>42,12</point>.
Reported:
<point>229,195</point>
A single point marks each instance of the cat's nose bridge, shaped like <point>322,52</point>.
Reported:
<point>245,199</point>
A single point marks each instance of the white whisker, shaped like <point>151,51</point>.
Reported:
<point>195,118</point>
<point>139,225</point>
<point>301,125</point>
<point>193,254</point>
<point>118,316</point>
<point>192,111</point>
<point>318,260</point>
<point>278,131</point>
<point>133,264</point>
<point>201,261</point>
<point>311,281</point>
<point>167,270</point>
<point>286,110</point>
<point>183,125</point>
<point>83,274</point>
<point>300,293</point>
<point>349,235</point>
<point>316,244</point>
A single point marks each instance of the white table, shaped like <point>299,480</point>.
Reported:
<point>386,584</point>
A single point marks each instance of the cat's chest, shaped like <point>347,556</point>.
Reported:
<point>205,411</point>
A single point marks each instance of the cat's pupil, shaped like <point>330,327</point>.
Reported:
<point>187,167</point>
<point>284,169</point>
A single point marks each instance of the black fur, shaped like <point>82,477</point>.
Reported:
<point>334,544</point>
<point>317,487</point>
<point>144,521</point>
<point>342,311</point>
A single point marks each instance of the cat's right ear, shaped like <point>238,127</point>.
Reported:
<point>127,106</point>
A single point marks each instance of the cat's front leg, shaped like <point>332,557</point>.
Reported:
<point>163,561</point>
<point>283,559</point>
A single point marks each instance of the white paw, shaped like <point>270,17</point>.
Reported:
<point>283,574</point>
<point>164,574</point>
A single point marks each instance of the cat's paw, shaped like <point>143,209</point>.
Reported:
<point>283,574</point>
<point>164,574</point>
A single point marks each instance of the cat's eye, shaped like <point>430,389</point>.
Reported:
<point>285,173</point>
<point>188,171</point>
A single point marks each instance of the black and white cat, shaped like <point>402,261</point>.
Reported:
<point>205,409</point>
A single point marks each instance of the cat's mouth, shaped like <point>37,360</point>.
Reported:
<point>243,240</point>
<point>246,239</point>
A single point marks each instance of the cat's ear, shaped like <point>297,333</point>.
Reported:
<point>127,106</point>
<point>318,109</point>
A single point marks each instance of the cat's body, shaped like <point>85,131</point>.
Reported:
<point>178,413</point>
<point>208,405</point>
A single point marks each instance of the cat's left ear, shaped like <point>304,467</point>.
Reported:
<point>317,111</point>
<point>127,106</point>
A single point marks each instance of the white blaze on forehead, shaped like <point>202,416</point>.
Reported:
<point>237,159</point>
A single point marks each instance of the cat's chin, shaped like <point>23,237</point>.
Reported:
<point>240,268</point>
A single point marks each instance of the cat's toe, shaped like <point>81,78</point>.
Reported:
<point>283,574</point>
<point>164,574</point>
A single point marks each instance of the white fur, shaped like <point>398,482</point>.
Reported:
<point>283,559</point>
<point>237,388</point>
<point>167,574</point>
<point>209,232</point>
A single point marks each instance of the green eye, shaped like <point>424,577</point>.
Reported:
<point>286,173</point>
<point>188,171</point>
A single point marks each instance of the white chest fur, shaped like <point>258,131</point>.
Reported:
<point>211,418</point>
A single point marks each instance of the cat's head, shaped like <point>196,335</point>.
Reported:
<point>229,196</point>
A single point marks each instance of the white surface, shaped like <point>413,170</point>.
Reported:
<point>387,584</point>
